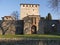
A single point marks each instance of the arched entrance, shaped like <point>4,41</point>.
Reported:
<point>33,29</point>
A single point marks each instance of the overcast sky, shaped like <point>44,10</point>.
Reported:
<point>8,6</point>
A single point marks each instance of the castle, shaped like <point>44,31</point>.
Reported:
<point>30,22</point>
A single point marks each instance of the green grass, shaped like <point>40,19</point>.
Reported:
<point>35,36</point>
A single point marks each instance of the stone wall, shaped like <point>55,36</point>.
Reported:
<point>11,27</point>
<point>31,24</point>
<point>49,27</point>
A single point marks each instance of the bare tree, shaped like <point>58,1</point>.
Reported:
<point>7,25</point>
<point>49,17</point>
<point>55,4</point>
<point>15,15</point>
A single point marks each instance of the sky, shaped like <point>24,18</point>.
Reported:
<point>8,6</point>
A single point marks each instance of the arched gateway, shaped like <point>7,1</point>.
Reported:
<point>33,29</point>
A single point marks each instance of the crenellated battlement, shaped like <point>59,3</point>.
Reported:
<point>29,5</point>
<point>28,9</point>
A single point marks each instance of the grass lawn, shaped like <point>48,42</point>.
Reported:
<point>31,36</point>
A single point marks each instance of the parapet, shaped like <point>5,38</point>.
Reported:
<point>29,5</point>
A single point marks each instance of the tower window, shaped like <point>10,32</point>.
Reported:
<point>35,20</point>
<point>33,9</point>
<point>32,19</point>
<point>53,25</point>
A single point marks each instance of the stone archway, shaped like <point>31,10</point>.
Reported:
<point>33,29</point>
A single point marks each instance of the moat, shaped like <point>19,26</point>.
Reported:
<point>21,41</point>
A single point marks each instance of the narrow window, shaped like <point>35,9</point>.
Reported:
<point>33,9</point>
<point>32,5</point>
<point>35,20</point>
<point>32,19</point>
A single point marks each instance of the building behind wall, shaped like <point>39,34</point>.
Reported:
<point>49,27</point>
